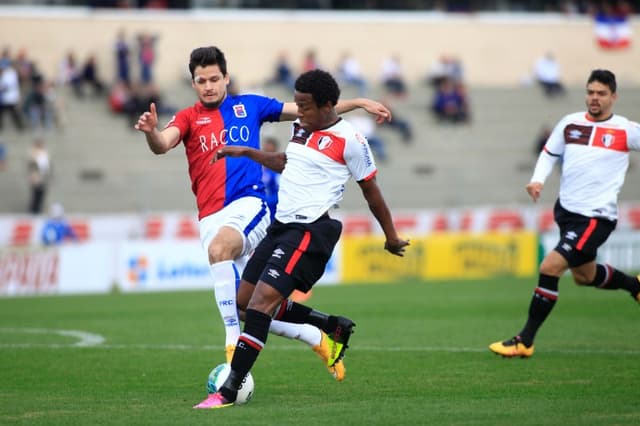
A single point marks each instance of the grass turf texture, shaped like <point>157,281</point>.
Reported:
<point>419,356</point>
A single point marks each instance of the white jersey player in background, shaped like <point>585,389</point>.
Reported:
<point>323,153</point>
<point>593,147</point>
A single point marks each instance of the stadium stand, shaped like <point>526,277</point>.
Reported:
<point>103,165</point>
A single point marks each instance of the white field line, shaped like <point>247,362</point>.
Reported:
<point>86,339</point>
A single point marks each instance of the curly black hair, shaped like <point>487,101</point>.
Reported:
<point>210,55</point>
<point>321,85</point>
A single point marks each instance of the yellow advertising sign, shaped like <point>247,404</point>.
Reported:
<point>364,259</point>
<point>481,255</point>
<point>441,256</point>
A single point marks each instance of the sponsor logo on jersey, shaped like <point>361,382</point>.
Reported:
<point>571,235</point>
<point>201,121</point>
<point>577,134</point>
<point>239,111</point>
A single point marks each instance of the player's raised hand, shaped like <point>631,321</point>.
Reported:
<point>397,246</point>
<point>148,120</point>
<point>380,111</point>
<point>534,189</point>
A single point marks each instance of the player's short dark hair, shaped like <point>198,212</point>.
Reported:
<point>605,77</point>
<point>321,85</point>
<point>210,55</point>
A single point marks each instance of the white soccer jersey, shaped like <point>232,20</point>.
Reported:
<point>318,165</point>
<point>594,159</point>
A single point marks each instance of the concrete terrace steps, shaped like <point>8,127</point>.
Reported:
<point>485,162</point>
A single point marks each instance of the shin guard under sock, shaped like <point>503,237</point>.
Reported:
<point>543,300</point>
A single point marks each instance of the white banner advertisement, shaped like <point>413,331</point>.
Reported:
<point>70,269</point>
<point>159,266</point>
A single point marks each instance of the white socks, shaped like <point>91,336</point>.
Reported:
<point>224,283</point>
<point>304,332</point>
<point>225,274</point>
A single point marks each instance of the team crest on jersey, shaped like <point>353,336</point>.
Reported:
<point>324,142</point>
<point>608,139</point>
<point>201,121</point>
<point>239,111</point>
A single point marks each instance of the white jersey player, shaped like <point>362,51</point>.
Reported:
<point>593,147</point>
<point>324,152</point>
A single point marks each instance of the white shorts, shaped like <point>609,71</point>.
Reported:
<point>248,215</point>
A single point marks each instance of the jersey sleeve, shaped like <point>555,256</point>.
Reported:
<point>555,143</point>
<point>550,154</point>
<point>633,136</point>
<point>182,122</point>
<point>270,108</point>
<point>358,157</point>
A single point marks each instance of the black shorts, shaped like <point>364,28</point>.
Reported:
<point>580,236</point>
<point>293,255</point>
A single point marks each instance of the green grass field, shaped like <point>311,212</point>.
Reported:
<point>419,356</point>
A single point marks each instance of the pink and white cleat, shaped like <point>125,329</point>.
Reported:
<point>214,400</point>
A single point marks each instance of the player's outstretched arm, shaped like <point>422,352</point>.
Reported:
<point>381,112</point>
<point>272,160</point>
<point>159,141</point>
<point>378,206</point>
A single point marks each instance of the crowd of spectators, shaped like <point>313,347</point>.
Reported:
<point>457,6</point>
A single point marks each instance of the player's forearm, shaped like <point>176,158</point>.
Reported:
<point>156,141</point>
<point>380,210</point>
<point>349,105</point>
<point>543,168</point>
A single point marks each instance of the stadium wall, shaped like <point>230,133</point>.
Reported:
<point>161,252</point>
<point>496,49</point>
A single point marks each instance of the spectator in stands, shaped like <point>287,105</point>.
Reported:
<point>38,106</point>
<point>392,77</point>
<point>450,102</point>
<point>541,139</point>
<point>90,75</point>
<point>146,56</point>
<point>141,97</point>
<point>283,74</point>
<point>399,124</point>
<point>68,71</point>
<point>310,61</point>
<point>39,172</point>
<point>10,94</point>
<point>350,74</point>
<point>446,67</point>
<point>24,67</point>
<point>270,178</point>
<point>56,229</point>
<point>122,51</point>
<point>3,156</point>
<point>547,73</point>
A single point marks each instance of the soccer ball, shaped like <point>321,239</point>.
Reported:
<point>219,374</point>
